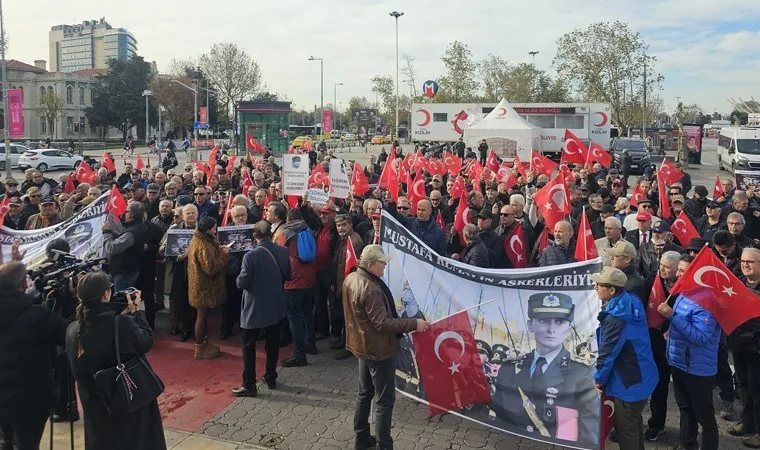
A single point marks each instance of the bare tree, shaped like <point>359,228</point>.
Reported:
<point>233,72</point>
<point>50,109</point>
<point>177,100</point>
<point>409,71</point>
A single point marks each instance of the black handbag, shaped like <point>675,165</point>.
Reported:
<point>127,387</point>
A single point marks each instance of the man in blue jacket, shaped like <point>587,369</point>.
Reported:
<point>625,368</point>
<point>692,351</point>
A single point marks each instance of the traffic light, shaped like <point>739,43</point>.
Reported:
<point>76,127</point>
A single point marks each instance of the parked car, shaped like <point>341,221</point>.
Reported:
<point>348,137</point>
<point>300,140</point>
<point>638,150</point>
<point>48,158</point>
<point>16,151</point>
<point>388,139</point>
<point>377,140</point>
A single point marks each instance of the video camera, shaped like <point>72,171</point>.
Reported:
<point>52,277</point>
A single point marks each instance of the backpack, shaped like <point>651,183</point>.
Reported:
<point>306,246</point>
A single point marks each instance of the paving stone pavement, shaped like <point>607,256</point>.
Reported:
<point>312,408</point>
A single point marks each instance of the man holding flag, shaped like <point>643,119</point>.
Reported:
<point>373,329</point>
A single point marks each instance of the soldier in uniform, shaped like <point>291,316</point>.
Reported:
<point>548,394</point>
<point>407,372</point>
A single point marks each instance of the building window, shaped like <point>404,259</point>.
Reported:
<point>81,96</point>
<point>50,90</point>
<point>92,96</point>
<point>69,125</point>
<point>43,122</point>
<point>440,117</point>
<point>21,88</point>
<point>93,128</point>
<point>82,124</point>
<point>42,92</point>
<point>69,95</point>
<point>572,122</point>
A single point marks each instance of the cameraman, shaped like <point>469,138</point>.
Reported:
<point>28,334</point>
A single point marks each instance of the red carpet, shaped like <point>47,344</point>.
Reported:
<point>196,391</point>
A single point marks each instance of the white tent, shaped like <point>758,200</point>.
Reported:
<point>507,133</point>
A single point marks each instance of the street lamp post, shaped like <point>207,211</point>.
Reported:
<point>533,82</point>
<point>396,15</point>
<point>335,100</point>
<point>6,133</point>
<point>147,93</point>
<point>321,91</point>
<point>195,109</point>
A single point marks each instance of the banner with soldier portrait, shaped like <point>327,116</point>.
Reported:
<point>534,330</point>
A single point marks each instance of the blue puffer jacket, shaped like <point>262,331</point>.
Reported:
<point>693,339</point>
<point>625,367</point>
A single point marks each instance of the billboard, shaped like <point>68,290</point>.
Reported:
<point>203,116</point>
<point>363,115</point>
<point>327,121</point>
<point>16,116</point>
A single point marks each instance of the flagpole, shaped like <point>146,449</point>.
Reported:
<point>466,309</point>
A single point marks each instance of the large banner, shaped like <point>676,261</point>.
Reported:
<point>16,109</point>
<point>83,233</point>
<point>295,178</point>
<point>521,319</point>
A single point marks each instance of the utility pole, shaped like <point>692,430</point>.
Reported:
<point>8,169</point>
<point>533,82</point>
<point>396,15</point>
<point>644,109</point>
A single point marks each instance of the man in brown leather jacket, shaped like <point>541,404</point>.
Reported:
<point>373,328</point>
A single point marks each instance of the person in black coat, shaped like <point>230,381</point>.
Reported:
<point>90,345</point>
<point>475,252</point>
<point>29,335</point>
<point>493,242</point>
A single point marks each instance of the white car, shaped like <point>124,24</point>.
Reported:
<point>348,137</point>
<point>48,158</point>
<point>16,151</point>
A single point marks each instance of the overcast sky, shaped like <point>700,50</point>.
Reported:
<point>708,49</point>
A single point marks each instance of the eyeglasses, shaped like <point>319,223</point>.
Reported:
<point>646,206</point>
<point>506,215</point>
<point>199,194</point>
<point>748,262</point>
<point>403,208</point>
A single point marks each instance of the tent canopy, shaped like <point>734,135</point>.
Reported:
<point>507,133</point>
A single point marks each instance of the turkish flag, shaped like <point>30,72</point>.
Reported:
<point>383,181</point>
<point>656,298</point>
<point>359,183</point>
<point>607,419</point>
<point>506,176</point>
<point>597,153</point>
<point>351,261</point>
<point>439,220</point>
<point>669,173</point>
<point>542,164</point>
<point>83,172</point>
<point>202,167</point>
<point>574,150</point>
<point>638,194</point>
<point>436,167</point>
<point>251,144</point>
<point>139,164</point>
<point>710,284</point>
<point>474,170</point>
<point>108,163</point>
<point>69,186</point>
<point>450,365</point>
<point>543,240</point>
<point>212,159</point>
<point>318,177</point>
<point>453,163</point>
<point>718,191</point>
<point>585,248</point>
<point>515,248</point>
<point>683,229</point>
<point>416,191</point>
<point>420,162</point>
<point>292,201</point>
<point>116,203</point>
<point>457,188</point>
<point>521,166</point>
<point>492,162</point>
<point>462,215</point>
<point>4,208</point>
<point>230,164</point>
<point>553,202</point>
<point>227,211</point>
<point>664,202</point>
<point>247,182</point>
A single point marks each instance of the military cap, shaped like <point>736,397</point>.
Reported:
<point>550,305</point>
<point>483,348</point>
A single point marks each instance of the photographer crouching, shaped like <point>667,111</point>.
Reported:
<point>28,336</point>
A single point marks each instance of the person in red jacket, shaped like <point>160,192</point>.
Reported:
<point>298,292</point>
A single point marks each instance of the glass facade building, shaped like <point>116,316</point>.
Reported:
<point>88,45</point>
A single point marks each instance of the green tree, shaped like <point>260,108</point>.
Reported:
<point>384,87</point>
<point>50,109</point>
<point>459,83</point>
<point>739,117</point>
<point>119,95</point>
<point>606,62</point>
<point>233,73</point>
<point>521,83</point>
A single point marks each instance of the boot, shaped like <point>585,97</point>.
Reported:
<point>752,442</point>
<point>739,430</point>
<point>206,350</point>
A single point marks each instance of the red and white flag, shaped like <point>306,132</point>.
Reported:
<point>597,153</point>
<point>69,186</point>
<point>318,177</point>
<point>420,162</point>
<point>439,220</point>
<point>108,163</point>
<point>553,201</point>
<point>352,262</point>
<point>669,173</point>
<point>574,150</point>
<point>515,247</point>
<point>457,188</point>
<point>585,248</point>
<point>710,284</point>
<point>492,162</point>
<point>212,159</point>
<point>251,144</point>
<point>638,195</point>
<point>436,167</point>
<point>416,192</point>
<point>718,191</point>
<point>506,176</point>
<point>83,173</point>
<point>359,183</point>
<point>117,205</point>
<point>462,216</point>
<point>247,182</point>
<point>230,164</point>
<point>683,229</point>
<point>389,176</point>
<point>543,240</point>
<point>450,365</point>
<point>656,298</point>
<point>542,164</point>
<point>139,164</point>
<point>664,211</point>
<point>453,163</point>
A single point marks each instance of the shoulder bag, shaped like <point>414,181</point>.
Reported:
<point>127,387</point>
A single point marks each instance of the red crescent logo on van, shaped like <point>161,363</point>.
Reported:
<point>426,113</point>
<point>603,116</point>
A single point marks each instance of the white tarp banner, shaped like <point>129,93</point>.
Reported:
<point>340,187</point>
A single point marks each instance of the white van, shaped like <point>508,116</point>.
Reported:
<point>739,148</point>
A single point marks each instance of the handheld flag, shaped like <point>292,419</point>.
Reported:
<point>585,249</point>
<point>515,248</point>
<point>117,205</point>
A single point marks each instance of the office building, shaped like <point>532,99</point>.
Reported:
<point>88,45</point>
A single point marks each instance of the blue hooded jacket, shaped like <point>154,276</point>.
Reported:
<point>625,366</point>
<point>693,339</point>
